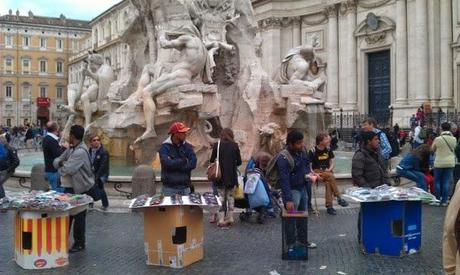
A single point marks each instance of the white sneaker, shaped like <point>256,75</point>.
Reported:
<point>434,203</point>
<point>444,204</point>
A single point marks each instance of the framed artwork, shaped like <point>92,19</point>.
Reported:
<point>315,38</point>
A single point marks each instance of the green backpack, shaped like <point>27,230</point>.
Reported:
<point>422,134</point>
<point>272,170</point>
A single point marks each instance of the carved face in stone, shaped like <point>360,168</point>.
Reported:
<point>213,3</point>
<point>314,67</point>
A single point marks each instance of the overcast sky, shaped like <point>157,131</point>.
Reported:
<point>75,9</point>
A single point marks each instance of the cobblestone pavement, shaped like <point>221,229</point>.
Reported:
<point>115,246</point>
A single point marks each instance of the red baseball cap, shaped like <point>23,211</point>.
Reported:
<point>178,127</point>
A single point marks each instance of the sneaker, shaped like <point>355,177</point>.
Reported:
<point>342,202</point>
<point>434,203</point>
<point>104,208</point>
<point>331,211</point>
<point>444,204</point>
<point>311,245</point>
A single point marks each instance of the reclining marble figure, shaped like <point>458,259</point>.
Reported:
<point>295,66</point>
<point>155,80</point>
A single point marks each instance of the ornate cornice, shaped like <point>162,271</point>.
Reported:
<point>369,4</point>
<point>286,21</point>
<point>330,11</point>
<point>311,22</point>
<point>270,23</point>
<point>347,7</point>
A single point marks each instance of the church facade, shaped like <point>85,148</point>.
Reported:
<point>380,56</point>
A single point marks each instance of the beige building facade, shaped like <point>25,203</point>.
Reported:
<point>34,54</point>
<point>380,56</point>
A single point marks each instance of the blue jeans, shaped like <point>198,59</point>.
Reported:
<point>4,175</point>
<point>170,191</point>
<point>413,175</point>
<point>100,183</point>
<point>300,200</point>
<point>415,144</point>
<point>53,180</point>
<point>442,178</point>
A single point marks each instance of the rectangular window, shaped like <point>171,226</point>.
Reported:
<point>26,92</point>
<point>8,91</point>
<point>59,93</point>
<point>59,44</point>
<point>59,67</point>
<point>9,62</point>
<point>8,122</point>
<point>74,44</point>
<point>42,91</point>
<point>25,66</point>
<point>25,41</point>
<point>43,43</point>
<point>8,40</point>
<point>42,66</point>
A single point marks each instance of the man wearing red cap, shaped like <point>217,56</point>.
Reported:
<point>177,161</point>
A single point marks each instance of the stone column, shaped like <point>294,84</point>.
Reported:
<point>332,57</point>
<point>272,40</point>
<point>296,31</point>
<point>352,79</point>
<point>401,52</point>
<point>446,53</point>
<point>420,70</point>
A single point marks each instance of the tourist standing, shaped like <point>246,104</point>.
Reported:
<point>419,135</point>
<point>413,165</point>
<point>100,165</point>
<point>229,160</point>
<point>8,162</point>
<point>29,136</point>
<point>52,150</point>
<point>370,125</point>
<point>294,187</point>
<point>74,167</point>
<point>444,162</point>
<point>177,160</point>
<point>322,162</point>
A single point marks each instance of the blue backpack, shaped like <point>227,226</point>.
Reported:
<point>3,152</point>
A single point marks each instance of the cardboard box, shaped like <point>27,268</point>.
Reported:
<point>173,235</point>
<point>41,239</point>
<point>299,251</point>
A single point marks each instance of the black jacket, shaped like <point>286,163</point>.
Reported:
<point>368,169</point>
<point>229,160</point>
<point>51,150</point>
<point>100,164</point>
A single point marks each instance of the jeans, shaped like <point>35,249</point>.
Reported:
<point>53,180</point>
<point>100,184</point>
<point>170,191</point>
<point>4,175</point>
<point>309,195</point>
<point>299,198</point>
<point>415,144</point>
<point>413,175</point>
<point>442,178</point>
<point>79,224</point>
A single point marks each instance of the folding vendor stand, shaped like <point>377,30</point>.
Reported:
<point>41,237</point>
<point>173,233</point>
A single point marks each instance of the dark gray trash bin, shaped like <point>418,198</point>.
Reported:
<point>143,181</point>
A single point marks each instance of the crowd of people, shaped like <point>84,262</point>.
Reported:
<point>76,168</point>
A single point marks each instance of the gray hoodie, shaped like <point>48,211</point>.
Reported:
<point>77,165</point>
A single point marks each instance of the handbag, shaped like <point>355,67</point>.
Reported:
<point>214,174</point>
<point>238,192</point>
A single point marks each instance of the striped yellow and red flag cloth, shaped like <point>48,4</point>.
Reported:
<point>49,235</point>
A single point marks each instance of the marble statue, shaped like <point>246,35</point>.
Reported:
<point>295,67</point>
<point>272,138</point>
<point>212,18</point>
<point>155,80</point>
<point>316,77</point>
<point>92,96</point>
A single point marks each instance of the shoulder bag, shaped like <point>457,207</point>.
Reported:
<point>214,174</point>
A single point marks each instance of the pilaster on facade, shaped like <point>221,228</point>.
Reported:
<point>347,7</point>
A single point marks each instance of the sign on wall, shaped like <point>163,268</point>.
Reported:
<point>43,101</point>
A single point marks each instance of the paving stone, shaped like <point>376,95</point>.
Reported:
<point>115,246</point>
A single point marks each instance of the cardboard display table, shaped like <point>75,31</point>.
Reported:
<point>173,233</point>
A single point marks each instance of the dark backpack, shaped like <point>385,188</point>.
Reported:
<point>271,175</point>
<point>9,159</point>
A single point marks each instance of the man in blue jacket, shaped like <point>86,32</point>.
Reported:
<point>177,161</point>
<point>294,186</point>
